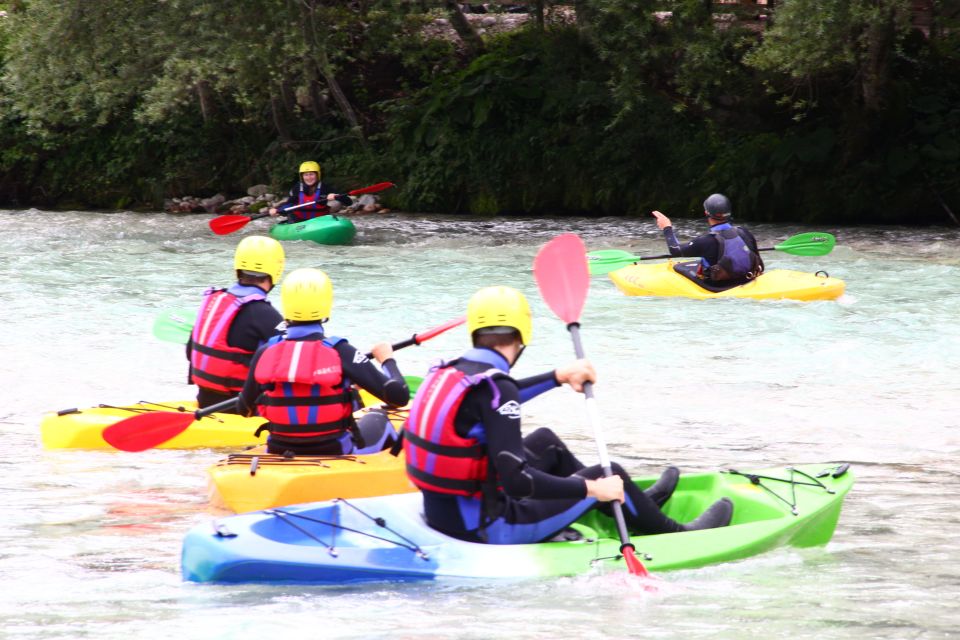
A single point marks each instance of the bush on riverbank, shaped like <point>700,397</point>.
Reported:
<point>626,112</point>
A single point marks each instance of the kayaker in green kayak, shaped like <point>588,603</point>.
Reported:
<point>234,322</point>
<point>310,189</point>
<point>481,480</point>
<point>302,383</point>
<point>729,255</point>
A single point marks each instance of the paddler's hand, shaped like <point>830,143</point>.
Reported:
<point>606,489</point>
<point>273,212</point>
<point>382,351</point>
<point>662,221</point>
<point>332,196</point>
<point>576,373</point>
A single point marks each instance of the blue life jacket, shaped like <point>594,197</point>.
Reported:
<point>736,261</point>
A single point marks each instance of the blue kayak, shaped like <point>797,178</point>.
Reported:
<point>386,539</point>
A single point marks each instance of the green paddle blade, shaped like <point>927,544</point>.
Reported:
<point>815,243</point>
<point>413,383</point>
<point>607,260</point>
<point>174,325</point>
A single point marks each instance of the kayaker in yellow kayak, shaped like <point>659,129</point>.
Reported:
<point>310,190</point>
<point>234,322</point>
<point>303,383</point>
<point>481,480</point>
<point>729,255</point>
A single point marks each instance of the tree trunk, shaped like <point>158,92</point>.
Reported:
<point>318,61</point>
<point>538,13</point>
<point>876,67</point>
<point>289,96</point>
<point>208,107</point>
<point>468,35</point>
<point>280,118</point>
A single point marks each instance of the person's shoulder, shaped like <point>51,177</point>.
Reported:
<point>505,382</point>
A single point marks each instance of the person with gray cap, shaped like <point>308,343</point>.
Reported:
<point>728,254</point>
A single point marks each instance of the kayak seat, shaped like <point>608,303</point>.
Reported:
<point>566,535</point>
<point>689,271</point>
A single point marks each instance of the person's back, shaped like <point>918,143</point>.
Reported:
<point>481,479</point>
<point>303,383</point>
<point>728,254</point>
<point>234,322</point>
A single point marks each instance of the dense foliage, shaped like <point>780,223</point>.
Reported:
<point>844,111</point>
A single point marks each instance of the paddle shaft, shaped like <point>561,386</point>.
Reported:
<point>423,336</point>
<point>594,416</point>
<point>356,192</point>
<point>667,255</point>
<point>226,405</point>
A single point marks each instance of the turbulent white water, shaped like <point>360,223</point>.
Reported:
<point>89,541</point>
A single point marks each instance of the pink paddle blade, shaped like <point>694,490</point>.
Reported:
<point>562,275</point>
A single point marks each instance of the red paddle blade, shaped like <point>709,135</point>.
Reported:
<point>146,430</point>
<point>222,225</point>
<point>374,188</point>
<point>562,275</point>
<point>430,333</point>
<point>634,565</point>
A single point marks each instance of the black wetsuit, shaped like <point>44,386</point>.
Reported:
<point>541,481</point>
<point>705,246</point>
<point>377,432</point>
<point>254,324</point>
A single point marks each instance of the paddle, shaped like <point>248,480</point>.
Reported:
<point>222,225</point>
<point>814,243</point>
<point>174,325</point>
<point>560,269</point>
<point>148,430</point>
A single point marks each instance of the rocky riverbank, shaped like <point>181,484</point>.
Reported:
<point>259,197</point>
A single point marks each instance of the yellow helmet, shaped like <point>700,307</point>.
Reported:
<point>310,165</point>
<point>500,307</point>
<point>307,296</point>
<point>260,254</point>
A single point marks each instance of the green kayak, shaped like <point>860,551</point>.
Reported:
<point>385,538</point>
<point>322,230</point>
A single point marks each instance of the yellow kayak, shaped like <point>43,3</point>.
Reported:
<point>255,480</point>
<point>83,428</point>
<point>661,279</point>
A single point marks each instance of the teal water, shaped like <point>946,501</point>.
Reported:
<point>89,540</point>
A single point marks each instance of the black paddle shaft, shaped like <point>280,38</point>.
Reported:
<point>226,405</point>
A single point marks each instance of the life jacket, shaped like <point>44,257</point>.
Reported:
<point>307,396</point>
<point>214,364</point>
<point>437,458</point>
<point>318,208</point>
<point>736,261</point>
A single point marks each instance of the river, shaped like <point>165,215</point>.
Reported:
<point>90,540</point>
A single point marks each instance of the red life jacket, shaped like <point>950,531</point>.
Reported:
<point>318,208</point>
<point>214,364</point>
<point>307,396</point>
<point>439,459</point>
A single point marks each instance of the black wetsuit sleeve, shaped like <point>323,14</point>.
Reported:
<point>505,444</point>
<point>388,385</point>
<point>704,246</point>
<point>342,198</point>
<point>251,388</point>
<point>535,385</point>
